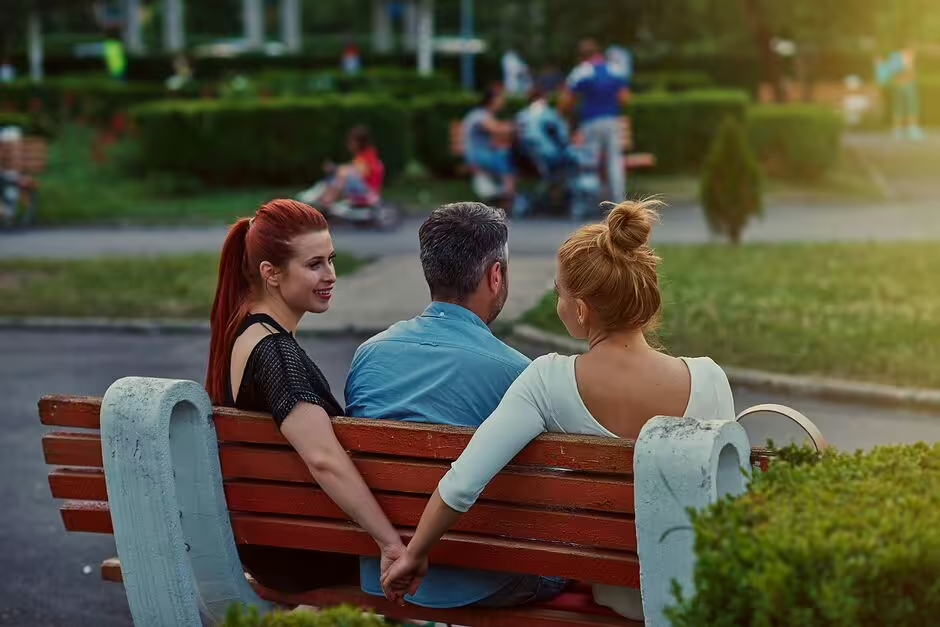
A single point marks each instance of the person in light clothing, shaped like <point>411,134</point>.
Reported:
<point>608,294</point>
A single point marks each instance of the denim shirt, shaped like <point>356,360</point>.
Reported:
<point>442,367</point>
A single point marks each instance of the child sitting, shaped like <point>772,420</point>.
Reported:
<point>359,181</point>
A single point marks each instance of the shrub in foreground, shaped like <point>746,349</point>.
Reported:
<point>823,540</point>
<point>342,616</point>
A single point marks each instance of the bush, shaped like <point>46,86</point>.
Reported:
<point>730,182</point>
<point>342,616</point>
<point>679,128</point>
<point>832,540</point>
<point>29,124</point>
<point>676,81</point>
<point>92,100</point>
<point>267,142</point>
<point>795,141</point>
<point>402,84</point>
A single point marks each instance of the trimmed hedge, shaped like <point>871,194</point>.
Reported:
<point>823,540</point>
<point>234,142</point>
<point>29,124</point>
<point>672,81</point>
<point>342,616</point>
<point>795,141</point>
<point>92,100</point>
<point>679,128</point>
<point>403,84</point>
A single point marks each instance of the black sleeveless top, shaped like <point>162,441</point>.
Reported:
<point>279,374</point>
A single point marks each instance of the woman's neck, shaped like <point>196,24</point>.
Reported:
<point>281,313</point>
<point>630,340</point>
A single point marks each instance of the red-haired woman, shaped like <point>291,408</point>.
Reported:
<point>274,268</point>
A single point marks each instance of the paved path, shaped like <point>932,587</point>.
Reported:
<point>39,557</point>
<point>537,237</point>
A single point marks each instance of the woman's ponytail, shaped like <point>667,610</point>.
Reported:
<point>228,309</point>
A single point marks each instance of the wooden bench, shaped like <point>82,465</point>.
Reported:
<point>167,473</point>
<point>28,159</point>
<point>632,160</point>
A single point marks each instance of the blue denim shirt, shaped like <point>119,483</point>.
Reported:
<point>442,367</point>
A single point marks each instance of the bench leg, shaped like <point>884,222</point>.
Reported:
<point>678,464</point>
<point>168,509</point>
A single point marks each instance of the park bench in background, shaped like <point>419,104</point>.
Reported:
<point>179,483</point>
<point>26,159</point>
<point>632,160</point>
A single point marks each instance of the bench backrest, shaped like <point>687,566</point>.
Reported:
<point>563,507</point>
<point>26,156</point>
<point>457,137</point>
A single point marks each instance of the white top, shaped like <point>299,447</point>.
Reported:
<point>545,398</point>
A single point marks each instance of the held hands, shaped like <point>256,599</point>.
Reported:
<point>402,573</point>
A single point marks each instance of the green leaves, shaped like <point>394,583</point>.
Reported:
<point>342,616</point>
<point>832,539</point>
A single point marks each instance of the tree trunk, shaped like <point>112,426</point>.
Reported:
<point>762,37</point>
<point>34,35</point>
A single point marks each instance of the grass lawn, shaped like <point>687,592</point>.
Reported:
<point>858,311</point>
<point>144,287</point>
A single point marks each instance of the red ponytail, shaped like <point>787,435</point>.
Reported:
<point>228,309</point>
<point>266,237</point>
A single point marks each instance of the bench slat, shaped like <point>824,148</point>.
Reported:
<point>505,521</point>
<point>72,449</point>
<point>456,549</point>
<point>78,484</point>
<point>584,453</point>
<point>514,485</point>
<point>339,595</point>
<point>485,519</point>
<point>540,488</point>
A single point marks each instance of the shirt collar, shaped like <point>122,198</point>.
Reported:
<point>452,312</point>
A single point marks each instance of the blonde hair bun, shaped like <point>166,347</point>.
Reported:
<point>629,225</point>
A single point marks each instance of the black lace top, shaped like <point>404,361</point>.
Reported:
<point>279,374</point>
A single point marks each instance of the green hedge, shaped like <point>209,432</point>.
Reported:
<point>268,142</point>
<point>679,128</point>
<point>92,100</point>
<point>30,124</point>
<point>342,616</point>
<point>833,540</point>
<point>795,141</point>
<point>672,81</point>
<point>397,83</point>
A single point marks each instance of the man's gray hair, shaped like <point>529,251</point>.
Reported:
<point>459,243</point>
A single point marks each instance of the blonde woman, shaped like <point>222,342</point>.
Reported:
<point>608,294</point>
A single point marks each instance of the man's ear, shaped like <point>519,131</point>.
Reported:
<point>495,277</point>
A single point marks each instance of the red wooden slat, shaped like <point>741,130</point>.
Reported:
<point>87,516</point>
<point>111,570</point>
<point>456,549</point>
<point>594,566</point>
<point>514,485</point>
<point>78,484</point>
<point>523,487</point>
<point>485,519</point>
<point>72,449</point>
<point>586,453</point>
<point>70,411</point>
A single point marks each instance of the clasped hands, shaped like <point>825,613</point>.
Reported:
<point>402,573</point>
